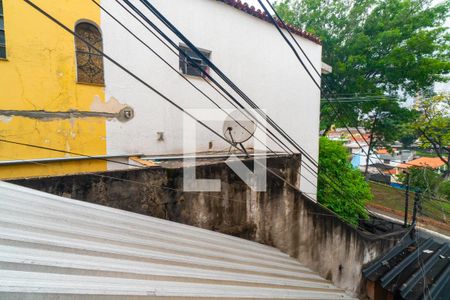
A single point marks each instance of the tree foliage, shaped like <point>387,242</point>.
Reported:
<point>444,189</point>
<point>433,125</point>
<point>386,123</point>
<point>335,172</point>
<point>428,182</point>
<point>425,180</point>
<point>376,47</point>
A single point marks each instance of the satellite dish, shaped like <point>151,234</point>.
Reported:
<point>238,128</point>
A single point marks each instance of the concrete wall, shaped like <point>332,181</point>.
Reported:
<point>248,50</point>
<point>280,217</point>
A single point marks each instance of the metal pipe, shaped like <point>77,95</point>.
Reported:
<point>209,156</point>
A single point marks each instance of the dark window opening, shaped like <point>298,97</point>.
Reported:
<point>194,65</point>
<point>2,33</point>
<point>89,60</point>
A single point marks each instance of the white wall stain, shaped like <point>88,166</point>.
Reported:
<point>112,106</point>
<point>5,119</point>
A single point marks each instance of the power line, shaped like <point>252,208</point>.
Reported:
<point>217,70</point>
<point>233,100</point>
<point>141,81</point>
<point>171,27</point>
<point>271,135</point>
<point>136,10</point>
<point>357,100</point>
<point>210,64</point>
<point>304,66</point>
<point>301,62</point>
<point>312,171</point>
<point>176,71</point>
<point>40,10</point>
<point>146,184</point>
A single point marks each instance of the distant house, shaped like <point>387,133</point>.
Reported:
<point>395,156</point>
<point>434,163</point>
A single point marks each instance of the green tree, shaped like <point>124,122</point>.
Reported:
<point>444,190</point>
<point>433,126</point>
<point>335,172</point>
<point>425,180</point>
<point>376,47</point>
<point>407,135</point>
<point>385,122</point>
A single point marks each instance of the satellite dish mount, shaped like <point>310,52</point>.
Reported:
<point>238,129</point>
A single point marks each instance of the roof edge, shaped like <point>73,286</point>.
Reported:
<point>251,10</point>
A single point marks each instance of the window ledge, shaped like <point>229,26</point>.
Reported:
<point>194,76</point>
<point>3,59</point>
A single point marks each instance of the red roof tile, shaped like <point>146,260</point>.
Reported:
<point>381,151</point>
<point>429,162</point>
<point>251,10</point>
<point>391,172</point>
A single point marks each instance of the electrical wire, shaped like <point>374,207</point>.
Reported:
<point>189,82</point>
<point>184,39</point>
<point>210,64</point>
<point>252,104</point>
<point>192,47</point>
<point>198,52</point>
<point>297,55</point>
<point>50,17</point>
<point>206,74</point>
<point>136,77</point>
<point>337,113</point>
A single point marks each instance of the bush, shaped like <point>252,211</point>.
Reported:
<point>444,189</point>
<point>341,188</point>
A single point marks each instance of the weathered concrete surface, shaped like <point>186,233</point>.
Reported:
<point>279,217</point>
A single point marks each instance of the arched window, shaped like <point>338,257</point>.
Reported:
<point>89,61</point>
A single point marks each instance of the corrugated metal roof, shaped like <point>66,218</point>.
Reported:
<point>414,269</point>
<point>57,248</point>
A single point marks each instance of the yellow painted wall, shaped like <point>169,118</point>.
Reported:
<point>40,74</point>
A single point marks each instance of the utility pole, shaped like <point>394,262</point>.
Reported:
<point>406,199</point>
<point>447,172</point>
<point>371,141</point>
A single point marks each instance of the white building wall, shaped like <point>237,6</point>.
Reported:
<point>248,50</point>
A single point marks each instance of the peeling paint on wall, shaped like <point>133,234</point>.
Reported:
<point>123,115</point>
<point>122,111</point>
<point>112,109</point>
<point>5,119</point>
